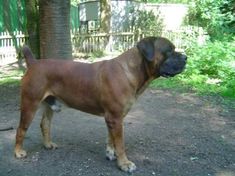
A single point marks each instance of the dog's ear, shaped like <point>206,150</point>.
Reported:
<point>146,48</point>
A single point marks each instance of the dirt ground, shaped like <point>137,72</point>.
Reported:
<point>167,133</point>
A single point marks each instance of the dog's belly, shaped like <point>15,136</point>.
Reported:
<point>86,104</point>
<point>95,110</point>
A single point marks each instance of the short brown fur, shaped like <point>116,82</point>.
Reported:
<point>106,88</point>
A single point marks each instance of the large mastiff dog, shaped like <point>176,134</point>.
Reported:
<point>107,88</point>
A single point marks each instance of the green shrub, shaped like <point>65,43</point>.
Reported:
<point>10,77</point>
<point>211,68</point>
<point>147,22</point>
<point>215,16</point>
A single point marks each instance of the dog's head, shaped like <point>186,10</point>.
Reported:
<point>160,53</point>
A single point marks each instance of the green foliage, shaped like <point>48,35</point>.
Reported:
<point>147,21</point>
<point>12,15</point>
<point>168,1</point>
<point>211,68</point>
<point>169,83</point>
<point>10,77</point>
<point>216,16</point>
<point>96,54</point>
<point>75,2</point>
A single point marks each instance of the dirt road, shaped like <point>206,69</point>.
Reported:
<point>167,134</point>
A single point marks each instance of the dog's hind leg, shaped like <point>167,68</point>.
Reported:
<point>28,109</point>
<point>46,127</point>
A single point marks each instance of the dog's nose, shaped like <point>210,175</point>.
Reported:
<point>184,57</point>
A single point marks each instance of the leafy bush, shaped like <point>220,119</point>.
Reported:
<point>211,68</point>
<point>148,22</point>
<point>216,16</point>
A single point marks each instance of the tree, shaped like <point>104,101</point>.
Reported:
<point>216,16</point>
<point>54,29</point>
<point>105,9</point>
<point>105,19</point>
<point>32,25</point>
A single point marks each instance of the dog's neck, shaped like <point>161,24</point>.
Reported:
<point>136,64</point>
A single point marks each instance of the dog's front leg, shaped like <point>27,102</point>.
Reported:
<point>110,150</point>
<point>115,129</point>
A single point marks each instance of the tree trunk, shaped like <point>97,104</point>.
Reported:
<point>54,29</point>
<point>32,25</point>
<point>105,21</point>
<point>105,16</point>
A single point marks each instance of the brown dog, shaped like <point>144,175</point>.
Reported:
<point>106,88</point>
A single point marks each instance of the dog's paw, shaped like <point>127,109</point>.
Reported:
<point>51,146</point>
<point>127,166</point>
<point>110,153</point>
<point>20,153</point>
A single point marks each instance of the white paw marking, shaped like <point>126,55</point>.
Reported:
<point>110,153</point>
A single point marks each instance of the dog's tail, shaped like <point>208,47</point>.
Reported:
<point>29,57</point>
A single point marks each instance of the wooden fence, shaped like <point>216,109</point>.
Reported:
<point>88,43</point>
<point>9,44</point>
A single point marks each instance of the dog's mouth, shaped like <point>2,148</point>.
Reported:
<point>167,73</point>
<point>173,65</point>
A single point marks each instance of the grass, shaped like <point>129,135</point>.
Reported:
<point>179,84</point>
<point>211,92</point>
<point>169,83</point>
<point>10,77</point>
